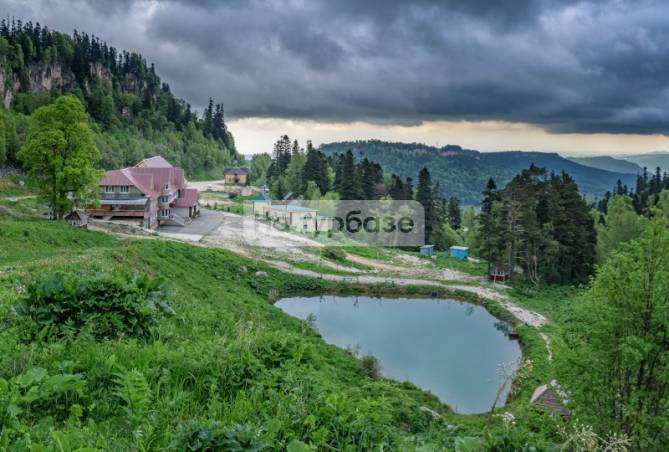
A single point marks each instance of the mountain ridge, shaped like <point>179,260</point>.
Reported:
<point>609,163</point>
<point>463,173</point>
<point>650,160</point>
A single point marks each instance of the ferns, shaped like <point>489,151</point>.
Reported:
<point>135,392</point>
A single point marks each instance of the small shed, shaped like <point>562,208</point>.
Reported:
<point>550,398</point>
<point>427,250</point>
<point>77,219</point>
<point>499,273</point>
<point>459,252</point>
<point>260,203</point>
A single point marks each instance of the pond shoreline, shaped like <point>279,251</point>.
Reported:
<point>492,307</point>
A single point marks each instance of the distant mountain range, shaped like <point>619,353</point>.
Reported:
<point>463,173</point>
<point>607,163</point>
<point>630,163</point>
<point>650,160</point>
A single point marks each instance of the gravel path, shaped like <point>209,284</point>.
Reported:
<point>523,315</point>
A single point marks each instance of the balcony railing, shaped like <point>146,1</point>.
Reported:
<point>115,213</point>
<point>121,196</point>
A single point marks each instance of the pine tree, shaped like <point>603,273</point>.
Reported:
<point>218,127</point>
<point>454,214</point>
<point>408,188</point>
<point>281,156</point>
<point>350,185</point>
<point>368,179</point>
<point>316,169</point>
<point>396,189</point>
<point>489,236</point>
<point>208,117</point>
<point>424,197</point>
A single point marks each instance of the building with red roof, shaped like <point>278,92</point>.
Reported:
<point>153,191</point>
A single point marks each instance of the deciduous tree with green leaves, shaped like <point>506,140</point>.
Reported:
<point>59,154</point>
<point>622,225</point>
<point>614,354</point>
<point>260,164</point>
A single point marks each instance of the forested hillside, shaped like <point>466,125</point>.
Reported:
<point>135,114</point>
<point>463,173</point>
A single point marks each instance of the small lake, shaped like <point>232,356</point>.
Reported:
<point>450,348</point>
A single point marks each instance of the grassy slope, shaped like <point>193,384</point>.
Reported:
<point>228,355</point>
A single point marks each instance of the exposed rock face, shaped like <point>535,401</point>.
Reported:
<point>40,78</point>
<point>45,78</point>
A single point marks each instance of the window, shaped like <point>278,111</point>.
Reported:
<point>167,186</point>
<point>123,189</point>
<point>163,199</point>
<point>109,189</point>
<point>164,213</point>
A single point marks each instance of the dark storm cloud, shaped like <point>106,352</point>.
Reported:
<point>568,66</point>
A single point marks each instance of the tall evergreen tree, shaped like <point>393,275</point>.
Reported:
<point>396,189</point>
<point>208,117</point>
<point>454,214</point>
<point>316,169</point>
<point>350,186</point>
<point>424,197</point>
<point>489,237</point>
<point>408,188</point>
<point>281,156</point>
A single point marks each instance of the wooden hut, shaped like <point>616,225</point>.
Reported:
<point>499,273</point>
<point>77,219</point>
<point>548,398</point>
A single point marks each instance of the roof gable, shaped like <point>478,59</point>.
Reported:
<point>157,161</point>
<point>115,178</point>
<point>236,171</point>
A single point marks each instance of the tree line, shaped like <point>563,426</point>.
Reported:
<point>644,196</point>
<point>310,174</point>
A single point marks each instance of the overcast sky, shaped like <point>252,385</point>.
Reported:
<point>569,76</point>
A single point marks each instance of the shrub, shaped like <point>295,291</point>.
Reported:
<point>193,436</point>
<point>371,367</point>
<point>333,253</point>
<point>34,392</point>
<point>107,306</point>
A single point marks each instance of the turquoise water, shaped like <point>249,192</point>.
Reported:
<point>450,348</point>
